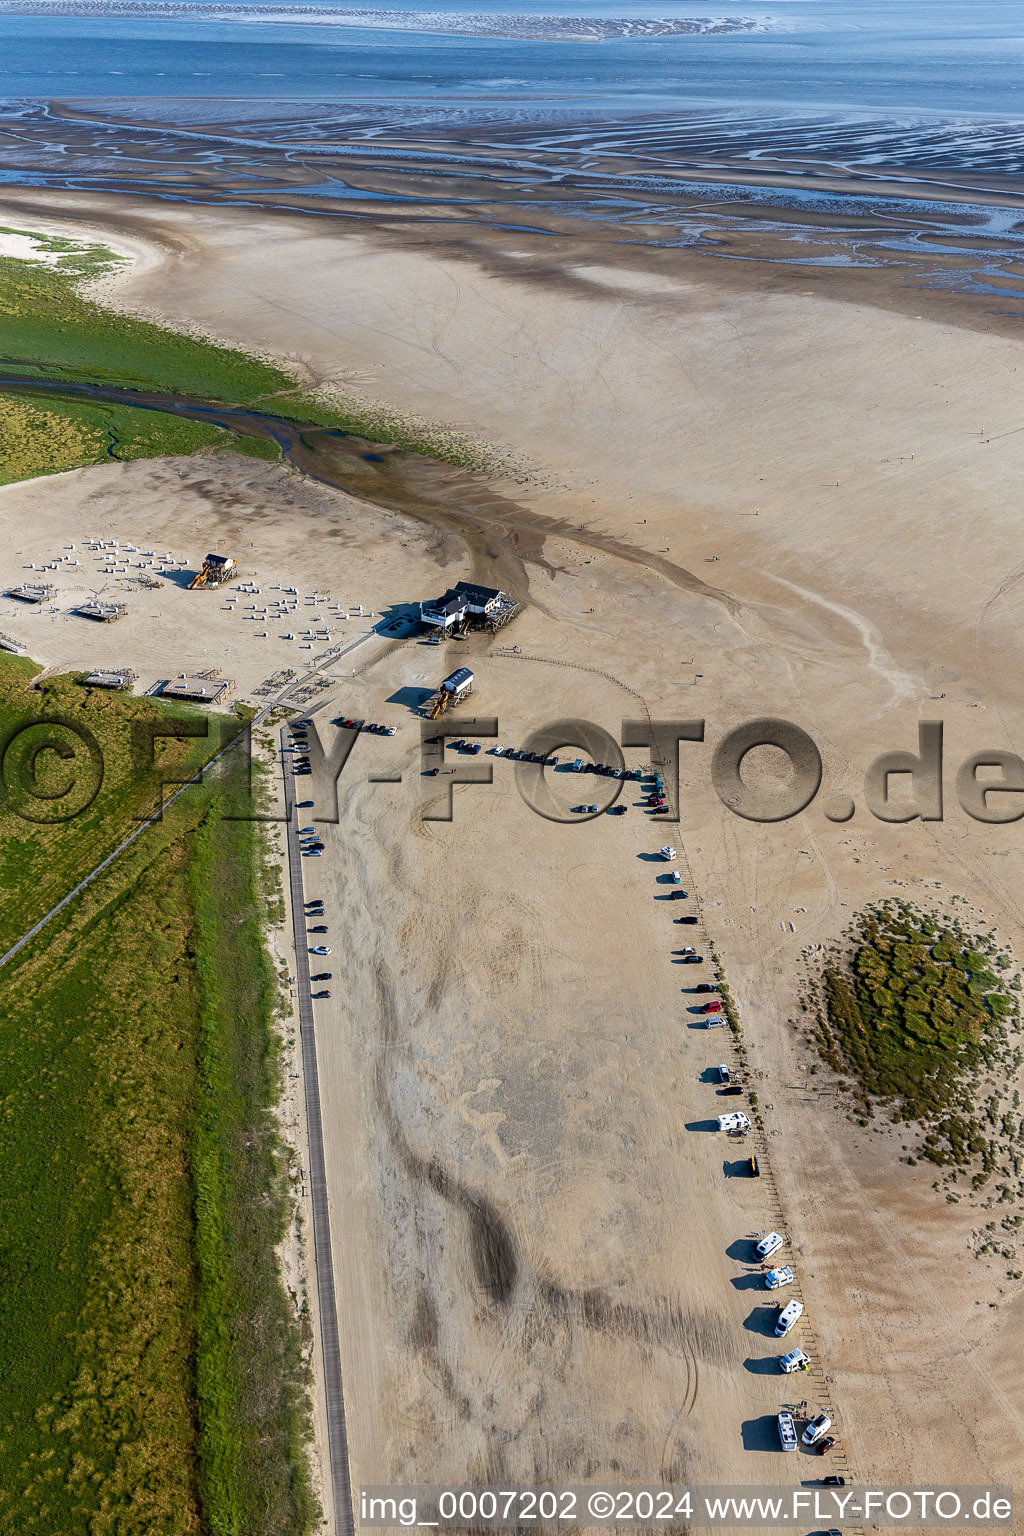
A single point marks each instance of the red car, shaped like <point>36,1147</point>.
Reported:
<point>712,1008</point>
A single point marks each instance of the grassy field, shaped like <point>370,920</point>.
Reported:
<point>152,1366</point>
<point>39,438</point>
<point>918,1017</point>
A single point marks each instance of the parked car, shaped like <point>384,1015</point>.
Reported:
<point>312,853</point>
<point>680,895</point>
<point>320,928</point>
<point>704,986</point>
<point>320,949</point>
<point>834,1480</point>
<point>690,917</point>
<point>711,1008</point>
<point>321,976</point>
<point>731,1090</point>
<point>775,1279</point>
<point>324,992</point>
<point>735,1121</point>
<point>787,1432</point>
<point>723,1073</point>
<point>307,831</point>
<point>796,1360</point>
<point>788,1318</point>
<point>825,1445</point>
<point>617,810</point>
<point>816,1429</point>
<point>692,960</point>
<point>769,1245</point>
<point>687,949</point>
<point>305,805</point>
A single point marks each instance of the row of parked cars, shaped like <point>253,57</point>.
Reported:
<point>314,908</point>
<point>365,725</point>
<point>778,1277</point>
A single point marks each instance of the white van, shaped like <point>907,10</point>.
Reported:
<point>787,1432</point>
<point>769,1245</point>
<point>775,1279</point>
<point>737,1121</point>
<point>788,1318</point>
<point>817,1428</point>
<point>796,1360</point>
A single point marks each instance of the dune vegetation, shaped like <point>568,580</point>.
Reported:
<point>154,1368</point>
<point>919,1018</point>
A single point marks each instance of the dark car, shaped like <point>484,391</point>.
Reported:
<point>660,810</point>
<point>690,918</point>
<point>680,895</point>
<point>731,1089</point>
<point>321,976</point>
<point>305,805</point>
<point>475,748</point>
<point>704,986</point>
<point>692,960</point>
<point>320,928</point>
<point>834,1481</point>
<point>617,810</point>
<point>825,1445</point>
<point>324,993</point>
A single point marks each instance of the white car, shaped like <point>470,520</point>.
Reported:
<point>788,1318</point>
<point>816,1428</point>
<point>794,1361</point>
<point>320,949</point>
<point>769,1245</point>
<point>775,1279</point>
<point>787,1432</point>
<point>734,1122</point>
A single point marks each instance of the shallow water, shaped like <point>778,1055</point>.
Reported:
<point>931,56</point>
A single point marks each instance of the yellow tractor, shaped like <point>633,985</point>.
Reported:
<point>217,571</point>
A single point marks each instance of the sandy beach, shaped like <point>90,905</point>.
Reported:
<point>739,498</point>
